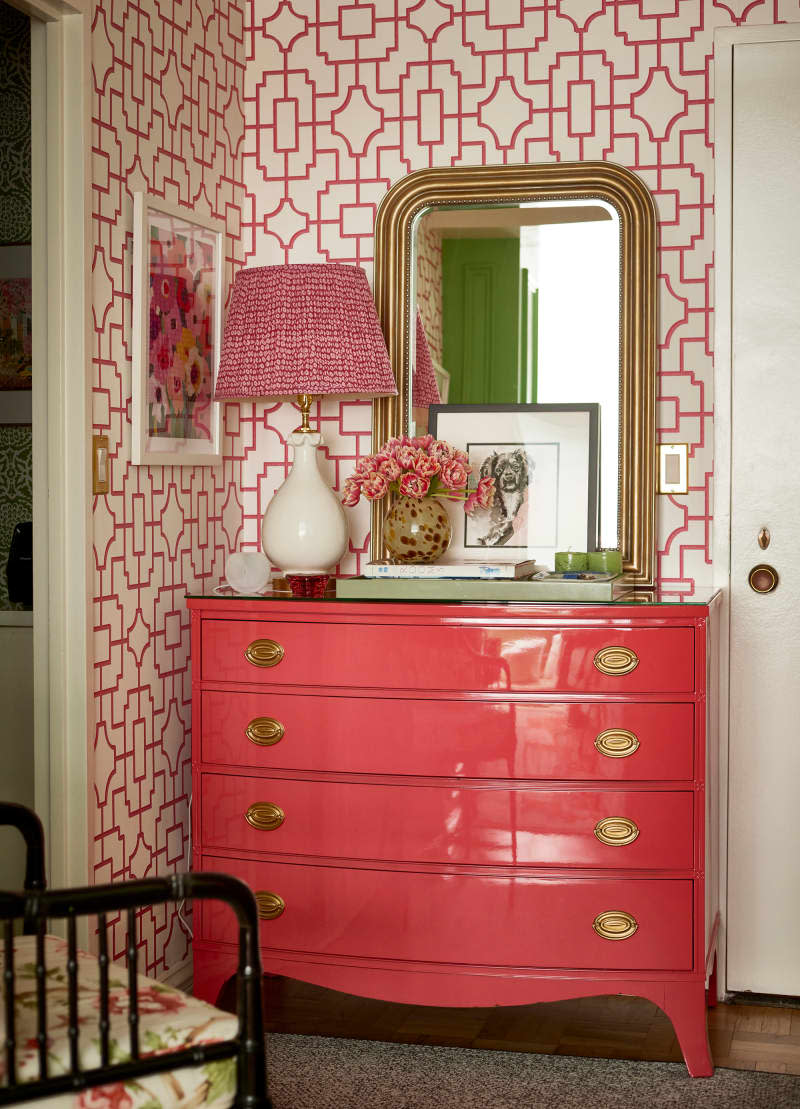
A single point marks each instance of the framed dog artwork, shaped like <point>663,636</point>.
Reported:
<point>545,461</point>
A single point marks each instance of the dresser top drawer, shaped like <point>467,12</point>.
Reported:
<point>491,658</point>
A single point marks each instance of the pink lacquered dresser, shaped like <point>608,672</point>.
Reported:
<point>453,804</point>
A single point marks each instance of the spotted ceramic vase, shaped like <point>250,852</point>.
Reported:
<point>417,529</point>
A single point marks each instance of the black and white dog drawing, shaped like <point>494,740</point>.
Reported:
<point>512,472</point>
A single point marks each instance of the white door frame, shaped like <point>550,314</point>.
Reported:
<point>61,214</point>
<point>725,40</point>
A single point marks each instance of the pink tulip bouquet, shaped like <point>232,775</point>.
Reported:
<point>419,467</point>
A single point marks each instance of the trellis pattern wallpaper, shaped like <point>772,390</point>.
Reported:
<point>429,285</point>
<point>317,107</point>
<point>167,81</point>
<point>344,97</point>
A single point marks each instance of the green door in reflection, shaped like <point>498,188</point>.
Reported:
<point>489,322</point>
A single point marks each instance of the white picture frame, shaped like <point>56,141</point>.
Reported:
<point>548,455</point>
<point>175,421</point>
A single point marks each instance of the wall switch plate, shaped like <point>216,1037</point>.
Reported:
<point>100,464</point>
<point>673,467</point>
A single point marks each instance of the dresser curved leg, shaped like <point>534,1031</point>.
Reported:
<point>685,1005</point>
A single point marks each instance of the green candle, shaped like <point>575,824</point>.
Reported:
<point>605,562</point>
<point>571,561</point>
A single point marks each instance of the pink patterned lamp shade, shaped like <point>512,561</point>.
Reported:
<point>306,328</point>
<point>425,391</point>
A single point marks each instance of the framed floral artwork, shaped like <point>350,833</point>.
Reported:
<point>177,324</point>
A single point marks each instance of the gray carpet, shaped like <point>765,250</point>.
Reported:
<point>314,1072</point>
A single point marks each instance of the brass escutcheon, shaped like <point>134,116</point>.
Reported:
<point>264,731</point>
<point>616,660</point>
<point>616,831</point>
<point>270,905</point>
<point>264,816</point>
<point>264,652</point>
<point>615,924</point>
<point>617,743</point>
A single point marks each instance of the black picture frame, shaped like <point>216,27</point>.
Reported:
<point>505,550</point>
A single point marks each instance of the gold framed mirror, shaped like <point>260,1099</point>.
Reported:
<point>474,198</point>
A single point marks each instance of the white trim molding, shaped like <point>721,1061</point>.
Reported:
<point>63,713</point>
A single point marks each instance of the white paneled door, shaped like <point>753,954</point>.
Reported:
<point>764,799</point>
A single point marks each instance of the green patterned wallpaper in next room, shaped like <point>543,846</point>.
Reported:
<point>15,126</point>
<point>16,493</point>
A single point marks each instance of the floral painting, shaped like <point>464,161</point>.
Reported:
<point>181,315</point>
<point>15,333</point>
<point>177,292</point>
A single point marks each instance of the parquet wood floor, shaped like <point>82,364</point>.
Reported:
<point>745,1037</point>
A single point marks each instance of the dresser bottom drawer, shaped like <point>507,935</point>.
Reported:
<point>470,919</point>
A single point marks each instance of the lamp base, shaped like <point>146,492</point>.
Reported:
<point>308,585</point>
<point>304,530</point>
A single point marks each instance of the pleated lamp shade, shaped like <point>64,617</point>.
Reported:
<point>303,329</point>
<point>425,391</point>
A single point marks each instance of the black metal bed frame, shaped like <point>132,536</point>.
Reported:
<point>37,904</point>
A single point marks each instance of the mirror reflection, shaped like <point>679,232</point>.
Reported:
<point>520,304</point>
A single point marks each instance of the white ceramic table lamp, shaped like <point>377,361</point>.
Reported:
<point>301,331</point>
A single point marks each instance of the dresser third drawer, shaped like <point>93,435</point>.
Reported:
<point>439,824</point>
<point>469,919</point>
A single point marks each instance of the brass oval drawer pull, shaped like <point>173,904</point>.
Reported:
<point>616,660</point>
<point>264,816</point>
<point>617,743</point>
<point>270,905</point>
<point>615,925</point>
<point>265,731</point>
<point>264,652</point>
<point>616,831</point>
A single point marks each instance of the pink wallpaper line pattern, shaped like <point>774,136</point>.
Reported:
<point>343,97</point>
<point>291,119</point>
<point>429,285</point>
<point>167,79</point>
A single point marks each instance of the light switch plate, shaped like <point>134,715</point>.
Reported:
<point>673,467</point>
<point>100,464</point>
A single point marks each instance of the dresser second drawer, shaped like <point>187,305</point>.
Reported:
<point>446,737</point>
<point>466,824</point>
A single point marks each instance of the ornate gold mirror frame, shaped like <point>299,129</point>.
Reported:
<point>513,184</point>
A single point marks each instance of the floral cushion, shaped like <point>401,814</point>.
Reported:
<point>168,1020</point>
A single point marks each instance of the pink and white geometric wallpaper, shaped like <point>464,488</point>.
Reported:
<point>167,118</point>
<point>290,119</point>
<point>344,97</point>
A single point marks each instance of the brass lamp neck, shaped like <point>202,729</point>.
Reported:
<point>305,400</point>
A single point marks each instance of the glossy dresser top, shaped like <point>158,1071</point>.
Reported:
<point>636,599</point>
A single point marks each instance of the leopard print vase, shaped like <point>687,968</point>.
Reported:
<point>417,529</point>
